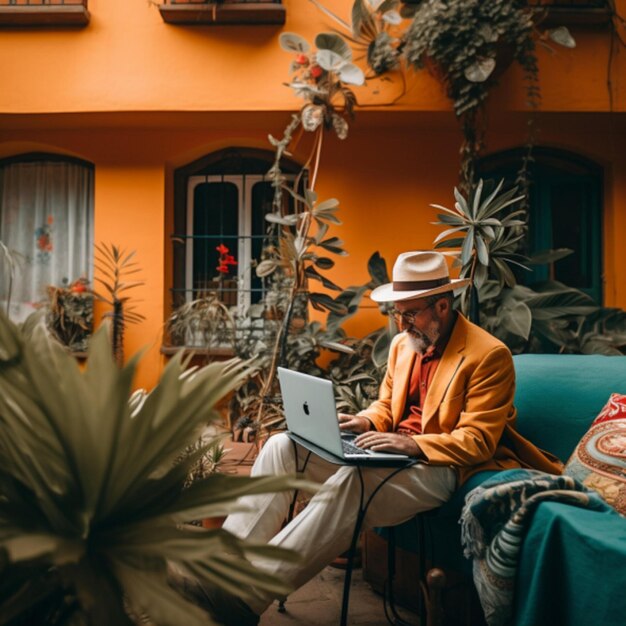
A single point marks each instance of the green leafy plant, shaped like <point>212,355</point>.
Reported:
<point>69,314</point>
<point>602,332</point>
<point>485,233</point>
<point>357,364</point>
<point>278,328</point>
<point>202,323</point>
<point>211,452</point>
<point>540,319</point>
<point>357,375</point>
<point>372,32</point>
<point>465,43</point>
<point>115,265</point>
<point>91,503</point>
<point>321,77</point>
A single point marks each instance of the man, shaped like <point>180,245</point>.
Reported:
<point>447,400</point>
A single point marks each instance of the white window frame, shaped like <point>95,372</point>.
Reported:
<point>244,184</point>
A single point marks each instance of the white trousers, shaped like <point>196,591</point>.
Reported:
<point>324,529</point>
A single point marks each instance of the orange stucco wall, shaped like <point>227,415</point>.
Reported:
<point>128,59</point>
<point>139,98</point>
<point>135,220</point>
<point>385,175</point>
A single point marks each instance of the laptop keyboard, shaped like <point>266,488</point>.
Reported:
<point>350,448</point>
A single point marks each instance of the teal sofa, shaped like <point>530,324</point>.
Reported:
<point>572,570</point>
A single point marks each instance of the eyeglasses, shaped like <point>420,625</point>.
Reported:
<point>408,317</point>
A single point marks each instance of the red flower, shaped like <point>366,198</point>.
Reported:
<point>225,259</point>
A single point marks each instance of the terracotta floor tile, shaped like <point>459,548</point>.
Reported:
<point>318,603</point>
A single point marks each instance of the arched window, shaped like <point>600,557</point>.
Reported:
<point>220,204</point>
<point>565,211</point>
<point>46,224</point>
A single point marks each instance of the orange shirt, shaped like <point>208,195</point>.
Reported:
<point>424,368</point>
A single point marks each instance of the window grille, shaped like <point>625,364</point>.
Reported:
<point>565,211</point>
<point>221,231</point>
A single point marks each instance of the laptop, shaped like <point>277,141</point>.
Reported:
<point>311,415</point>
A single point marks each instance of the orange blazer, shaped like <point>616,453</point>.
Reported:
<point>468,421</point>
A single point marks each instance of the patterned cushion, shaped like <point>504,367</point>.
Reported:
<point>599,460</point>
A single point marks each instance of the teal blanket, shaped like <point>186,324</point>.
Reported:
<point>494,522</point>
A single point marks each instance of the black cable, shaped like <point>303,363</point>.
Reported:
<point>355,535</point>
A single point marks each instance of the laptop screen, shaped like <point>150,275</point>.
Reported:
<point>310,409</point>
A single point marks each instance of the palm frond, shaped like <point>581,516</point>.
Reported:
<point>89,488</point>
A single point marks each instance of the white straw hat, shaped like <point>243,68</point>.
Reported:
<point>418,274</point>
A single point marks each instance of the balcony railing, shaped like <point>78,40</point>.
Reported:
<point>567,12</point>
<point>44,13</point>
<point>203,12</point>
<point>573,12</point>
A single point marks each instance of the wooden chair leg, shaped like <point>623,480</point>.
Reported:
<point>435,584</point>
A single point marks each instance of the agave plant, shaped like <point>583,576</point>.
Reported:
<point>487,235</point>
<point>91,503</point>
<point>547,317</point>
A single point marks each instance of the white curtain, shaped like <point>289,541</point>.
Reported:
<point>46,221</point>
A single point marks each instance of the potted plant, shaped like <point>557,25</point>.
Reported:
<point>467,44</point>
<point>205,322</point>
<point>70,313</point>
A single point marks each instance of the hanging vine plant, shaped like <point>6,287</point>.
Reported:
<point>467,44</point>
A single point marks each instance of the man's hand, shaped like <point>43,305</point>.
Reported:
<point>388,442</point>
<point>354,423</point>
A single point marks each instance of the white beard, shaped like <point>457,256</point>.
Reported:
<point>417,343</point>
<point>421,341</point>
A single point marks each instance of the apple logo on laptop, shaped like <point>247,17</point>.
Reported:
<point>305,407</point>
